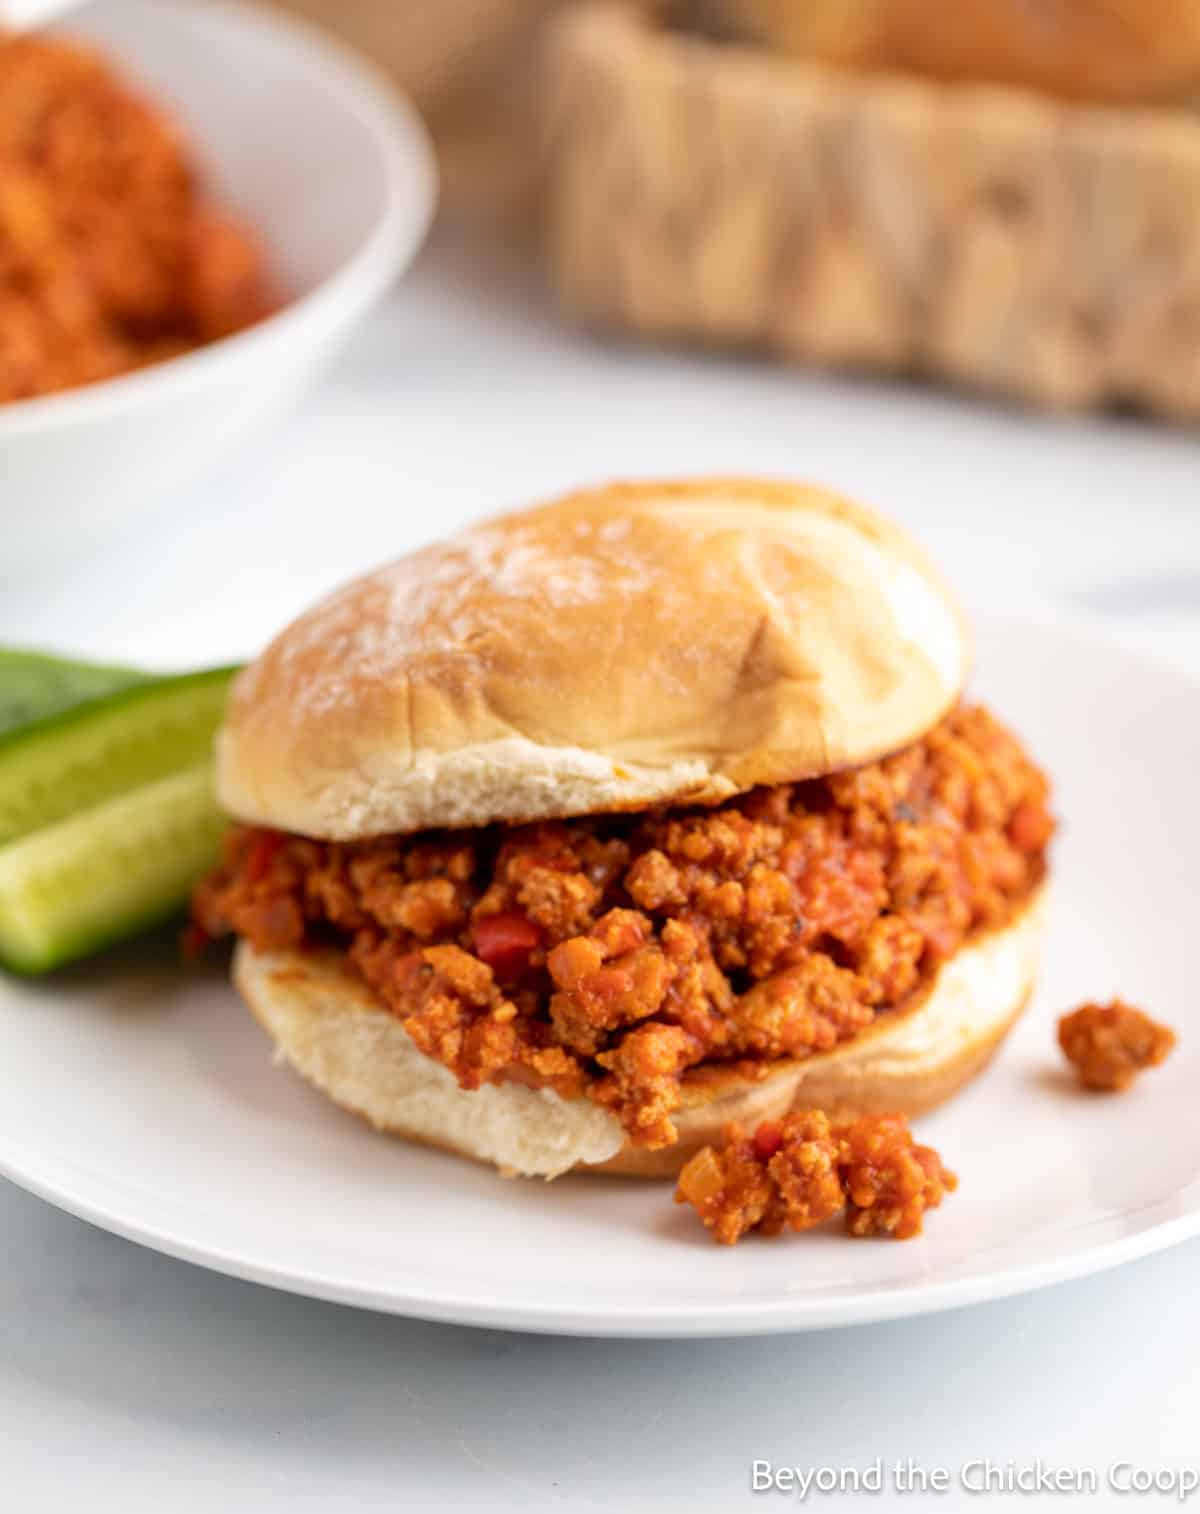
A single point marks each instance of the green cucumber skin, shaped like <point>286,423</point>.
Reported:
<point>35,686</point>
<point>107,873</point>
<point>88,754</point>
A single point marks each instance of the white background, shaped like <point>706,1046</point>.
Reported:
<point>131,1382</point>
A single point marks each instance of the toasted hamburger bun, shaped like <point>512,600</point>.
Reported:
<point>327,1026</point>
<point>1081,49</point>
<point>638,645</point>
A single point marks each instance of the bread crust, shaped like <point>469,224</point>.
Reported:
<point>1118,50</point>
<point>327,1026</point>
<point>621,648</point>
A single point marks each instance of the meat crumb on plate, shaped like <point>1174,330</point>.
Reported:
<point>799,1171</point>
<point>1109,1044</point>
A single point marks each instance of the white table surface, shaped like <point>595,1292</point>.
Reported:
<point>132,1382</point>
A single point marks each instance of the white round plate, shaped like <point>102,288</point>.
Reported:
<point>139,1095</point>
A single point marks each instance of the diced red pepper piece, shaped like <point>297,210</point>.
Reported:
<point>505,943</point>
<point>1030,826</point>
<point>265,847</point>
<point>768,1138</point>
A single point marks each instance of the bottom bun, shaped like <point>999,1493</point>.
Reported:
<point>326,1024</point>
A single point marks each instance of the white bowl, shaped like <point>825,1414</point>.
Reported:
<point>334,171</point>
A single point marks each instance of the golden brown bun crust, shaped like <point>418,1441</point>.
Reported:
<point>623,647</point>
<point>326,1025</point>
<point>1081,49</point>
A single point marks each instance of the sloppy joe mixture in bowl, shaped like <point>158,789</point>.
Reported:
<point>197,203</point>
<point>113,257</point>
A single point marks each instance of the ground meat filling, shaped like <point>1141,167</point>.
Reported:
<point>798,1172</point>
<point>111,254</point>
<point>610,955</point>
<point>1109,1044</point>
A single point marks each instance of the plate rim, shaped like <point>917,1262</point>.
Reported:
<point>711,1322</point>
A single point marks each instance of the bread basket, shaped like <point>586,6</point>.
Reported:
<point>987,237</point>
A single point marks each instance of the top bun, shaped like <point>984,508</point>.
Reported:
<point>624,647</point>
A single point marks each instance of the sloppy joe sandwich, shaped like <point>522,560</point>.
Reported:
<point>564,842</point>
